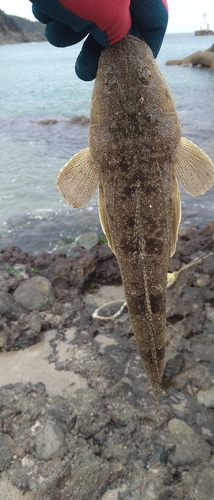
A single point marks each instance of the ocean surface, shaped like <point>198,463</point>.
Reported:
<point>39,95</point>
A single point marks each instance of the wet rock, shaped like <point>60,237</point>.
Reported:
<point>31,324</point>
<point>117,449</point>
<point>87,240</point>
<point>203,349</point>
<point>80,120</point>
<point>150,491</point>
<point>64,250</point>
<point>2,339</point>
<point>185,406</point>
<point>47,122</point>
<point>197,375</point>
<point>174,361</point>
<point>5,454</point>
<point>90,479</point>
<point>177,330</point>
<point>204,486</point>
<point>190,449</point>
<point>206,398</point>
<point>35,294</point>
<point>90,412</point>
<point>19,476</point>
<point>160,455</point>
<point>186,301</point>
<point>49,441</point>
<point>209,312</point>
<point>9,308</point>
<point>24,332</point>
<point>6,397</point>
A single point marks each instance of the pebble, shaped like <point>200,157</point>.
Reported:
<point>209,312</point>
<point>49,441</point>
<point>203,280</point>
<point>204,487</point>
<point>206,397</point>
<point>190,449</point>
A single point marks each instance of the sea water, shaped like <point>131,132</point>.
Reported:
<point>39,95</point>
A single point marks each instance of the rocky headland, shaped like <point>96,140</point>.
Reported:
<point>15,29</point>
<point>78,419</point>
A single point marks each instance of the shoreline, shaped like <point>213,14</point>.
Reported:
<point>90,413</point>
<point>78,415</point>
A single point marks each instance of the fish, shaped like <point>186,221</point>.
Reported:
<point>136,155</point>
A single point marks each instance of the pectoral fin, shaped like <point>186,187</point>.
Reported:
<point>194,169</point>
<point>78,179</point>
<point>103,217</point>
<point>176,215</point>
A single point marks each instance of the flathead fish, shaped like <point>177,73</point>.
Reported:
<point>136,155</point>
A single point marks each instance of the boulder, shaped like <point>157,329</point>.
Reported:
<point>35,294</point>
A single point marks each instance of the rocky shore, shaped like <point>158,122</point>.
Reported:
<point>77,415</point>
<point>199,59</point>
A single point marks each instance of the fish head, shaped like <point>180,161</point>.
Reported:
<point>131,103</point>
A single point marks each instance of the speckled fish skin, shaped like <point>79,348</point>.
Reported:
<point>135,156</point>
<point>134,133</point>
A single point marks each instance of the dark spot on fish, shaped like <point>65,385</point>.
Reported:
<point>123,165</point>
<point>128,246</point>
<point>147,356</point>
<point>157,303</point>
<point>128,191</point>
<point>134,179</point>
<point>151,222</point>
<point>160,353</point>
<point>133,126</point>
<point>154,246</point>
<point>130,222</point>
<point>148,189</point>
<point>111,179</point>
<point>150,356</point>
<point>137,304</point>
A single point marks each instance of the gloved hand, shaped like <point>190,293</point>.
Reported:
<point>106,22</point>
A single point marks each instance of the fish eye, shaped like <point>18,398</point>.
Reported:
<point>145,76</point>
<point>110,83</point>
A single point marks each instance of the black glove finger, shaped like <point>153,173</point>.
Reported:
<point>40,16</point>
<point>87,60</point>
<point>61,35</point>
<point>149,21</point>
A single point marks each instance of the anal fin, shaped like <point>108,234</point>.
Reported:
<point>104,218</point>
<point>176,215</point>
